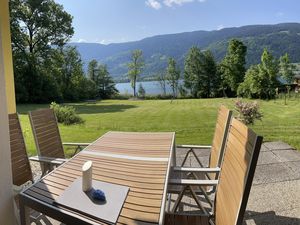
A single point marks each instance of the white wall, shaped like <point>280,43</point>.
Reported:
<point>6,199</point>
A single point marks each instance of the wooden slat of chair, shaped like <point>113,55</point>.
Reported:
<point>220,135</point>
<point>48,141</point>
<point>237,173</point>
<point>46,136</point>
<point>219,139</point>
<point>21,170</point>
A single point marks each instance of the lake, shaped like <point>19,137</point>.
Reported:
<point>151,87</point>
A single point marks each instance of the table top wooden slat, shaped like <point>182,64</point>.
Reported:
<point>145,178</point>
<point>133,144</point>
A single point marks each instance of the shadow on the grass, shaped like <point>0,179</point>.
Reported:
<point>93,109</point>
<point>83,108</point>
<point>268,218</point>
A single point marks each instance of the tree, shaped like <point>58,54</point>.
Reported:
<point>261,80</point>
<point>37,25</point>
<point>162,80</point>
<point>66,67</point>
<point>269,69</point>
<point>92,67</point>
<point>135,68</point>
<point>252,85</point>
<point>200,73</point>
<point>38,28</point>
<point>233,66</point>
<point>193,71</point>
<point>173,75</point>
<point>287,68</point>
<point>105,84</point>
<point>72,73</point>
<point>98,73</point>
<point>211,79</point>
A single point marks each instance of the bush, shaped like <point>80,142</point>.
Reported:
<point>248,112</point>
<point>66,114</point>
<point>141,91</point>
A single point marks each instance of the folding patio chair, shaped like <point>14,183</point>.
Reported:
<point>47,139</point>
<point>21,170</point>
<point>218,143</point>
<point>216,154</point>
<point>233,187</point>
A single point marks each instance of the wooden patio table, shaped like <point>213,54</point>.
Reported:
<point>138,160</point>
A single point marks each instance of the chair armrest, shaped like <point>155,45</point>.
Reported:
<point>76,144</point>
<point>196,169</point>
<point>194,146</point>
<point>193,182</point>
<point>56,161</point>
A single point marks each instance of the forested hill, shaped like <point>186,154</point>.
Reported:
<point>279,38</point>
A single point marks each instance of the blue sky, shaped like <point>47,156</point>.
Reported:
<point>113,21</point>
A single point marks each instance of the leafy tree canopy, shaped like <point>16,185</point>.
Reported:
<point>261,80</point>
<point>173,75</point>
<point>200,73</point>
<point>36,25</point>
<point>135,68</point>
<point>233,66</point>
<point>287,68</point>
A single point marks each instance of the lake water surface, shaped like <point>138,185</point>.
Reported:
<point>151,87</point>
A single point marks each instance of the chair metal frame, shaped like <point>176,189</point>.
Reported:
<point>192,171</point>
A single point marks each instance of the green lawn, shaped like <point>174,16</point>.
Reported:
<point>192,119</point>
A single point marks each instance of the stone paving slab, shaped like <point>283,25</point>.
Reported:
<point>264,148</point>
<point>295,167</point>
<point>267,157</point>
<point>290,217</point>
<point>277,145</point>
<point>272,173</point>
<point>287,155</point>
<point>277,197</point>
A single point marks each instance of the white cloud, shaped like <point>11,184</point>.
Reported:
<point>80,40</point>
<point>280,14</point>
<point>157,4</point>
<point>109,40</point>
<point>153,4</point>
<point>171,3</point>
<point>220,27</point>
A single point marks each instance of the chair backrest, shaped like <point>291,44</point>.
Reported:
<point>237,171</point>
<point>46,133</point>
<point>219,140</point>
<point>21,169</point>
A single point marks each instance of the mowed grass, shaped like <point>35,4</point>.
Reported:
<point>193,120</point>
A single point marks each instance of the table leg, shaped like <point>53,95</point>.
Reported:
<point>174,155</point>
<point>24,213</point>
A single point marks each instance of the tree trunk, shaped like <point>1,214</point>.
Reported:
<point>134,85</point>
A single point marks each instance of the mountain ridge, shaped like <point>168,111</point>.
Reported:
<point>278,38</point>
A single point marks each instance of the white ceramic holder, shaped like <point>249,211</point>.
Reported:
<point>87,171</point>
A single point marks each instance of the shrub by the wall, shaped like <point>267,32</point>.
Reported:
<point>66,114</point>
